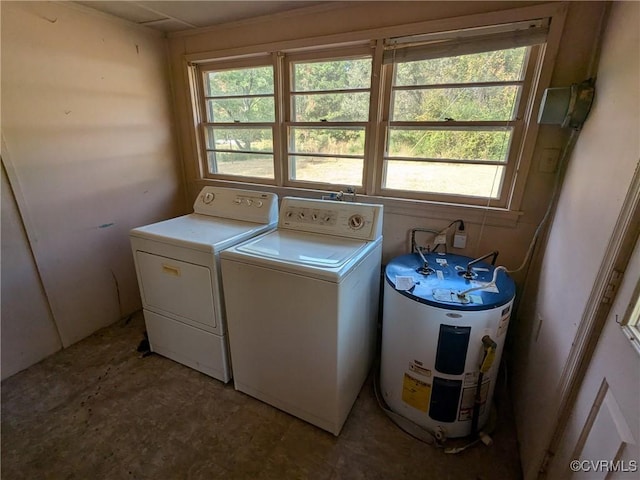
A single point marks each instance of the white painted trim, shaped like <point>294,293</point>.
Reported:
<point>591,418</point>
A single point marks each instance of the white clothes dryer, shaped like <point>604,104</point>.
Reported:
<point>177,264</point>
<point>302,304</point>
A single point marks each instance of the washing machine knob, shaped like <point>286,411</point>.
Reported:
<point>259,203</point>
<point>237,201</point>
<point>208,198</point>
<point>356,222</point>
<point>249,201</point>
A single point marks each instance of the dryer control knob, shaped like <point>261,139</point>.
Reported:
<point>208,197</point>
<point>356,222</point>
<point>249,201</point>
<point>237,201</point>
<point>259,203</point>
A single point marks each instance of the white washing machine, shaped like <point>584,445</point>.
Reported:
<point>302,304</point>
<point>177,263</point>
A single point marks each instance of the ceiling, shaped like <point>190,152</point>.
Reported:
<point>171,16</point>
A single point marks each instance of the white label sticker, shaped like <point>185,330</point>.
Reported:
<point>467,401</point>
<point>439,275</point>
<point>404,283</point>
<point>441,261</point>
<point>487,287</point>
<point>419,370</point>
<point>502,327</point>
<point>476,299</point>
<point>470,378</point>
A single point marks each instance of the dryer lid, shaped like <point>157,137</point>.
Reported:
<point>200,232</point>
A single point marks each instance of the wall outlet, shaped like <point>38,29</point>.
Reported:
<point>549,160</point>
<point>460,240</point>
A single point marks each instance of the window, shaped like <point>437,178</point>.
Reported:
<point>631,322</point>
<point>452,121</point>
<point>239,123</point>
<point>438,117</point>
<point>456,110</point>
<point>328,117</point>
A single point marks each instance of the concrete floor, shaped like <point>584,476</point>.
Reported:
<point>97,410</point>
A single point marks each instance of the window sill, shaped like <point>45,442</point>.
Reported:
<point>499,217</point>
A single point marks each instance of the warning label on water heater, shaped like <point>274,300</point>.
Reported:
<point>420,370</point>
<point>502,326</point>
<point>468,400</point>
<point>416,393</point>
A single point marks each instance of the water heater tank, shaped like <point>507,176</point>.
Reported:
<point>432,339</point>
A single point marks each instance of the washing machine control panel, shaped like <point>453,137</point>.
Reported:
<point>345,219</point>
<point>238,204</point>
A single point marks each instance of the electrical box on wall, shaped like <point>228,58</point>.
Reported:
<point>460,240</point>
<point>553,108</point>
<point>567,106</point>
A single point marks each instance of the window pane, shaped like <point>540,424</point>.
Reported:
<point>633,322</point>
<point>244,139</point>
<point>331,107</point>
<point>242,81</point>
<point>244,164</point>
<point>446,178</point>
<point>499,65</point>
<point>335,170</point>
<point>336,141</point>
<point>332,75</point>
<point>249,109</point>
<point>476,144</point>
<point>460,104</point>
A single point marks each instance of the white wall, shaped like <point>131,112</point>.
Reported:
<point>28,332</point>
<point>90,153</point>
<point>595,186</point>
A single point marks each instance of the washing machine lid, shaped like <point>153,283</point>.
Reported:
<point>201,232</point>
<point>444,280</point>
<point>321,256</point>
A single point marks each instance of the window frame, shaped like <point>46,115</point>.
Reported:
<point>265,60</point>
<point>532,63</point>
<point>337,54</point>
<point>507,216</point>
